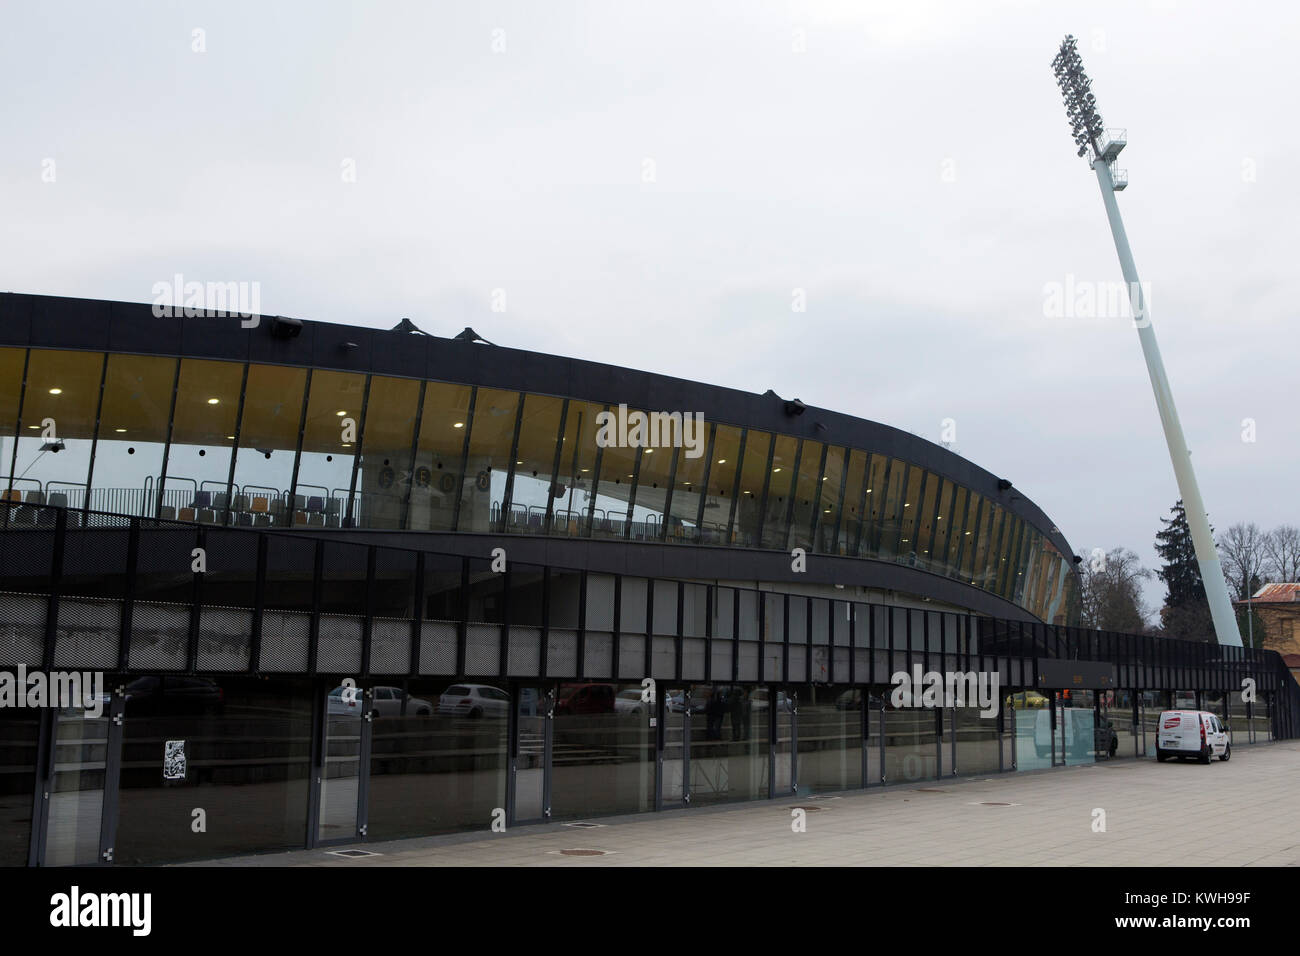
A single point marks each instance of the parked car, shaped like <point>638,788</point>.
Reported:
<point>474,701</point>
<point>1027,700</point>
<point>629,701</point>
<point>387,702</point>
<point>585,699</point>
<point>158,696</point>
<point>1191,733</point>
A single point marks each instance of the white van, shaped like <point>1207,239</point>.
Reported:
<point>1191,733</point>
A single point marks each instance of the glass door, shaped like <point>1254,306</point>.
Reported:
<point>76,787</point>
<point>676,758</point>
<point>344,751</point>
<point>785,743</point>
<point>535,709</point>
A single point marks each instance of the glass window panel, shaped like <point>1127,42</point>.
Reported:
<point>58,426</point>
<point>484,487</point>
<point>132,433</point>
<point>329,447</point>
<point>268,441</point>
<point>776,508</point>
<point>203,434</point>
<point>942,524</point>
<point>806,492</point>
<point>11,385</point>
<point>956,530</point>
<point>828,501</point>
<point>588,716</point>
<point>652,493</point>
<point>577,460</point>
<point>438,457</point>
<point>975,524</point>
<point>688,485</point>
<point>533,486</point>
<point>722,485</point>
<point>613,492</point>
<point>749,500</point>
<point>908,510</point>
<point>384,478</point>
<point>850,512</point>
<point>433,767</point>
<point>890,507</point>
<point>874,508</point>
<point>248,750</point>
<point>925,521</point>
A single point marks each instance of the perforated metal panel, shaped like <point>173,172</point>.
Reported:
<point>693,650</point>
<point>598,654</point>
<point>748,661</point>
<point>631,656</point>
<point>22,628</point>
<point>798,665</point>
<point>562,653</point>
<point>159,636</point>
<point>482,650</point>
<point>87,635</point>
<point>438,647</point>
<point>284,640</point>
<point>663,662</point>
<point>338,646</point>
<point>225,638</point>
<point>721,651</point>
<point>525,651</point>
<point>390,645</point>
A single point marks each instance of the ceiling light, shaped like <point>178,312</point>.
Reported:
<point>775,470</point>
<point>120,431</point>
<point>340,413</point>
<point>214,401</point>
<point>458,425</point>
<point>722,461</point>
<point>649,451</point>
<point>56,391</point>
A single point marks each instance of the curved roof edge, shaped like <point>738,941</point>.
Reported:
<point>42,321</point>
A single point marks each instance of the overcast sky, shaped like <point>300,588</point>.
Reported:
<point>649,183</point>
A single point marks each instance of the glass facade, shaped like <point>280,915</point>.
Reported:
<point>556,724</point>
<point>226,443</point>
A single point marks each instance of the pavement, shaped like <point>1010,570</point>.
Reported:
<point>1116,813</point>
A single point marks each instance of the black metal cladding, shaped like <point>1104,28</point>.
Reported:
<point>138,569</point>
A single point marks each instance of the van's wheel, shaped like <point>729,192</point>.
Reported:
<point>1205,754</point>
<point>1161,756</point>
<point>1227,752</point>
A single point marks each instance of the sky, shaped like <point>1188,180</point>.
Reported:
<point>872,206</point>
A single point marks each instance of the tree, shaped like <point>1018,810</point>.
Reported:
<point>1111,598</point>
<point>1243,551</point>
<point>1282,547</point>
<point>1186,613</point>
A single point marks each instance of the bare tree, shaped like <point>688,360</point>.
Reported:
<point>1111,599</point>
<point>1282,548</point>
<point>1243,550</point>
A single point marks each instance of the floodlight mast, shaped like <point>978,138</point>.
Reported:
<point>1089,136</point>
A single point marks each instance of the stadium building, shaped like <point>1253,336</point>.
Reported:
<point>547,612</point>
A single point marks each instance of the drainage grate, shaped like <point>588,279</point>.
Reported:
<point>583,852</point>
<point>352,854</point>
<point>994,804</point>
<point>584,826</point>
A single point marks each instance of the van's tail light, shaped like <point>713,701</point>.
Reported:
<point>1202,733</point>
